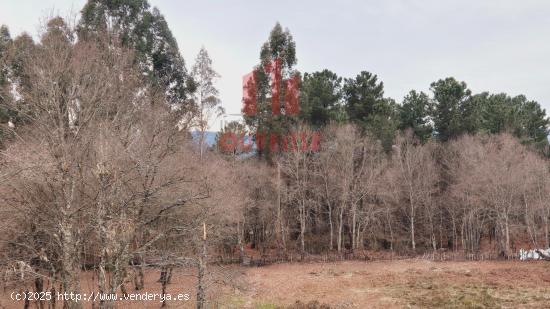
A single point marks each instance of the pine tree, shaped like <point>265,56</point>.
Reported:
<point>452,107</point>
<point>415,114</point>
<point>320,98</point>
<point>362,94</point>
<point>366,106</point>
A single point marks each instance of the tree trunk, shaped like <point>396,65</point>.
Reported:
<point>165,276</point>
<point>201,143</point>
<point>358,238</point>
<point>27,303</point>
<point>278,225</point>
<point>353,226</point>
<point>340,229</point>
<point>455,240</point>
<point>331,224</point>
<point>391,235</point>
<point>331,246</point>
<point>201,285</point>
<point>413,243</point>
<point>412,210</point>
<point>102,282</point>
<point>70,272</point>
<point>507,231</point>
<point>70,264</point>
<point>546,240</point>
<point>283,235</point>
<point>139,277</point>
<point>302,229</point>
<point>432,230</point>
<point>39,288</point>
<point>240,243</point>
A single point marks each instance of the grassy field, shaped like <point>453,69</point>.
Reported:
<point>353,284</point>
<point>404,284</point>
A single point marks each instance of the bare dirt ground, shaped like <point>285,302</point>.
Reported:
<point>409,283</point>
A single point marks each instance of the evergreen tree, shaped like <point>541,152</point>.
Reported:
<point>22,48</point>
<point>145,30</point>
<point>14,79</point>
<point>534,125</point>
<point>415,114</point>
<point>5,42</point>
<point>362,94</point>
<point>320,98</point>
<point>383,123</point>
<point>524,119</point>
<point>497,113</point>
<point>5,96</point>
<point>452,108</point>
<point>278,53</point>
<point>366,106</point>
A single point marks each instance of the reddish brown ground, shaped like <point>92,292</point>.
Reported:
<point>405,283</point>
<point>382,284</point>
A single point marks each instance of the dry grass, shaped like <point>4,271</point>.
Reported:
<point>352,284</point>
<point>404,284</point>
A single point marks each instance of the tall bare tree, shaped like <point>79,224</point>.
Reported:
<point>415,168</point>
<point>206,94</point>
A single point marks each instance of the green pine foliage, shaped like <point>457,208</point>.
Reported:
<point>144,29</point>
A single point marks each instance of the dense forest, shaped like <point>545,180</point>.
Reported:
<point>99,171</point>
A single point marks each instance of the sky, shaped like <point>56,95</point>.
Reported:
<point>492,45</point>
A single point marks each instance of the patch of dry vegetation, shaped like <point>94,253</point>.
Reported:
<point>400,284</point>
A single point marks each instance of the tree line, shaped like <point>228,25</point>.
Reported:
<point>98,171</point>
<point>475,194</point>
<point>447,170</point>
<point>449,111</point>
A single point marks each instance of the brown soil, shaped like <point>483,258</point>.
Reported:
<point>409,283</point>
<point>404,284</point>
